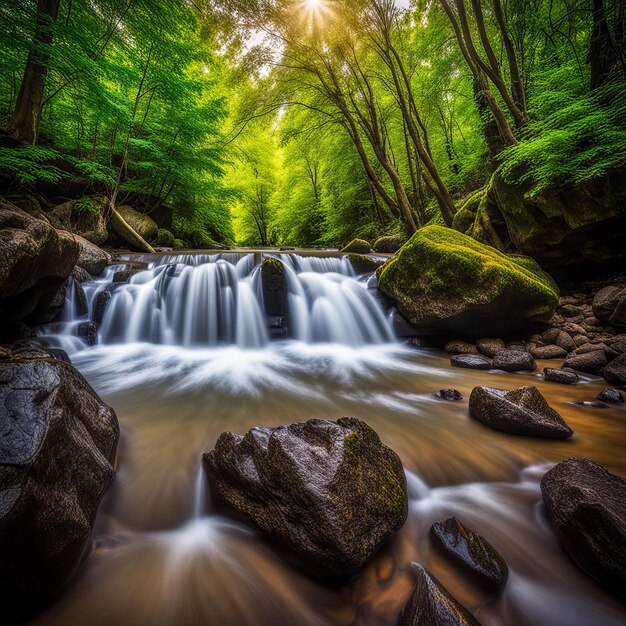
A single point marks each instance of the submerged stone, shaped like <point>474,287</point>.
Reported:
<point>611,395</point>
<point>449,394</point>
<point>330,492</point>
<point>522,411</point>
<point>586,504</point>
<point>475,554</point>
<point>432,605</point>
<point>560,376</point>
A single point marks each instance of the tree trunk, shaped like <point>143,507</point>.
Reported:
<point>601,52</point>
<point>24,123</point>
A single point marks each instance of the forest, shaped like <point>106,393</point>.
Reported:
<point>313,122</point>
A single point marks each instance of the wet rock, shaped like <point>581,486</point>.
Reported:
<point>401,326</point>
<point>471,361</point>
<point>274,288</point>
<point>124,276</point>
<point>416,342</point>
<point>610,395</point>
<point>609,305</point>
<point>278,327</point>
<point>522,411</point>
<point>433,278</point>
<point>592,404</point>
<point>35,263</point>
<point>548,352</point>
<point>80,275</point>
<point>88,331</point>
<point>330,492</point>
<point>590,362</point>
<point>560,376</point>
<point>490,347</point>
<point>458,346</point>
<point>474,553</point>
<point>586,504</point>
<point>615,371</point>
<point>564,341</point>
<point>449,394</point>
<point>362,264</point>
<point>514,361</point>
<point>432,605</point>
<point>102,301</point>
<point>58,444</point>
<point>358,246</point>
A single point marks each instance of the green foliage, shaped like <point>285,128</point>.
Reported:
<point>86,206</point>
<point>578,135</point>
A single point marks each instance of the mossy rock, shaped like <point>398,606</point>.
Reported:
<point>85,217</point>
<point>179,244</point>
<point>387,245</point>
<point>274,287</point>
<point>358,246</point>
<point>445,281</point>
<point>165,239</point>
<point>363,264</point>
<point>142,224</point>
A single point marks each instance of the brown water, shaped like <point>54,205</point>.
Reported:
<point>162,559</point>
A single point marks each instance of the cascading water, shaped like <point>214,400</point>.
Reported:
<point>217,299</point>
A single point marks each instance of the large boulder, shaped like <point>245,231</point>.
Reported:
<point>587,506</point>
<point>165,238</point>
<point>142,224</point>
<point>91,258</point>
<point>57,449</point>
<point>615,371</point>
<point>522,411</point>
<point>35,262</point>
<point>431,604</point>
<point>86,217</point>
<point>609,305</point>
<point>388,245</point>
<point>514,361</point>
<point>330,492</point>
<point>358,246</point>
<point>362,264</point>
<point>471,552</point>
<point>444,281</point>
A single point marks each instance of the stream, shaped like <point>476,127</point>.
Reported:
<point>184,354</point>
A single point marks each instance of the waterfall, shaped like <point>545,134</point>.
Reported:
<point>212,300</point>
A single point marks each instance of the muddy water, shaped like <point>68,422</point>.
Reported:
<point>162,558</point>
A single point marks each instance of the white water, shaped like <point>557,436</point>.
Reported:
<point>208,300</point>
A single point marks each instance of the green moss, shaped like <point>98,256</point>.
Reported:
<point>272,273</point>
<point>392,490</point>
<point>165,238</point>
<point>363,264</point>
<point>179,244</point>
<point>440,273</point>
<point>358,246</point>
<point>466,215</point>
<point>388,244</point>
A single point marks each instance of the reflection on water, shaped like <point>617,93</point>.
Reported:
<point>156,562</point>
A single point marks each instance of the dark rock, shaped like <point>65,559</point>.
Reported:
<point>358,246</point>
<point>449,394</point>
<point>80,275</point>
<point>416,342</point>
<point>560,376</point>
<point>124,276</point>
<point>609,305</point>
<point>432,605</point>
<point>362,264</point>
<point>592,404</point>
<point>274,288</point>
<point>548,352</point>
<point>387,245</point>
<point>84,216</point>
<point>587,507</point>
<point>401,326</point>
<point>56,453</point>
<point>472,552</point>
<point>102,301</point>
<point>330,492</point>
<point>471,361</point>
<point>610,395</point>
<point>278,327</point>
<point>458,346</point>
<point>569,310</point>
<point>564,341</point>
<point>550,336</point>
<point>490,347</point>
<point>514,361</point>
<point>522,411</point>
<point>34,264</point>
<point>615,371</point>
<point>89,332</point>
<point>590,362</point>
<point>59,355</point>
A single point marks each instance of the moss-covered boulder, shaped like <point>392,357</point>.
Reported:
<point>142,224</point>
<point>362,264</point>
<point>85,216</point>
<point>274,287</point>
<point>330,492</point>
<point>358,246</point>
<point>445,281</point>
<point>179,244</point>
<point>34,264</point>
<point>387,245</point>
<point>165,239</point>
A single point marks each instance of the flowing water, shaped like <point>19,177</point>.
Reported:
<point>184,354</point>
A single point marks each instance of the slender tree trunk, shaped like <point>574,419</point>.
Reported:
<point>601,50</point>
<point>24,123</point>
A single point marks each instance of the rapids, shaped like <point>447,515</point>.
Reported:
<point>183,354</point>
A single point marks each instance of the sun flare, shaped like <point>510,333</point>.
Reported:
<point>315,10</point>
